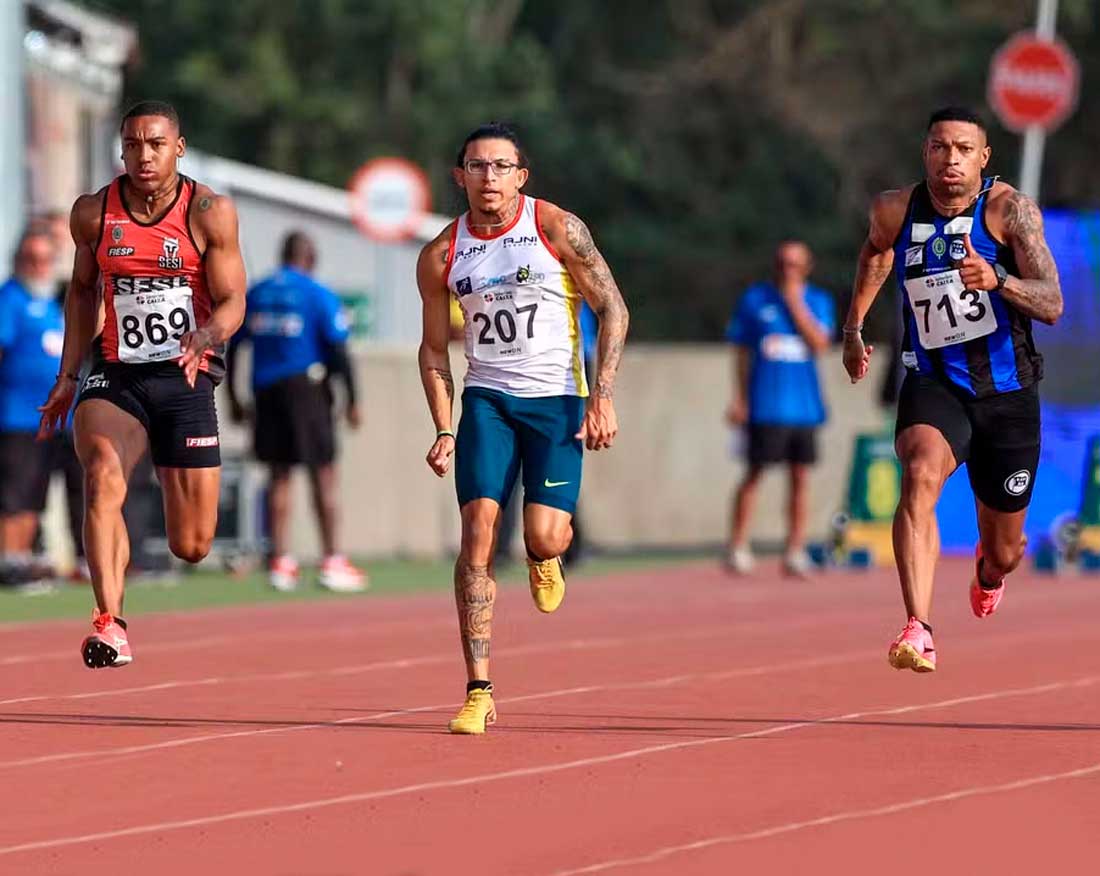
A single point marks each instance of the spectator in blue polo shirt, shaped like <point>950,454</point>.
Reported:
<point>776,331</point>
<point>31,335</point>
<point>298,331</point>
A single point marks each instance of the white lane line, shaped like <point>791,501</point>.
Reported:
<point>691,634</point>
<point>157,647</point>
<point>377,629</point>
<point>125,750</point>
<point>850,815</point>
<point>354,669</point>
<point>486,778</point>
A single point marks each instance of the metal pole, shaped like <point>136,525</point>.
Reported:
<point>1031,159</point>
<point>12,140</point>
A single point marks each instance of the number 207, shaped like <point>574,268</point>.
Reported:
<point>505,324</point>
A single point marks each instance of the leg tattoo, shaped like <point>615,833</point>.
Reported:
<point>475,592</point>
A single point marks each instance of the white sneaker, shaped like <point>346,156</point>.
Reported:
<point>797,563</point>
<point>340,576</point>
<point>283,574</point>
<point>740,560</point>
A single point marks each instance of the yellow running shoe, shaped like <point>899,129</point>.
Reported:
<point>547,583</point>
<point>476,714</point>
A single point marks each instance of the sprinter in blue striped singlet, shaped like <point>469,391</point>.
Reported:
<point>974,270</point>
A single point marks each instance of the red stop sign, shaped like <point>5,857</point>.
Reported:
<point>1033,81</point>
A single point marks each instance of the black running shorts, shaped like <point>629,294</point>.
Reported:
<point>181,422</point>
<point>770,444</point>
<point>997,437</point>
<point>294,423</point>
<point>24,473</point>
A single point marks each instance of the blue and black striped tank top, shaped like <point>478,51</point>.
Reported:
<point>973,339</point>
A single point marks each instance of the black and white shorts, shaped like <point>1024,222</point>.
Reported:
<point>997,436</point>
<point>182,423</point>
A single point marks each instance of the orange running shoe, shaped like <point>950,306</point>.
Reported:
<point>983,600</point>
<point>913,649</point>
<point>108,645</point>
<point>340,576</point>
<point>283,573</point>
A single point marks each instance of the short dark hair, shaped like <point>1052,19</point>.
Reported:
<point>297,247</point>
<point>32,231</point>
<point>492,131</point>
<point>152,108</point>
<point>955,114</point>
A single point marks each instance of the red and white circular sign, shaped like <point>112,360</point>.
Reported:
<point>1033,81</point>
<point>389,197</point>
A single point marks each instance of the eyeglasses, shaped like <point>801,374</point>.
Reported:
<point>480,167</point>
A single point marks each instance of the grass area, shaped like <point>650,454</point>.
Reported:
<point>205,588</point>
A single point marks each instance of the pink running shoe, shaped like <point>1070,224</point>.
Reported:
<point>283,574</point>
<point>108,645</point>
<point>913,649</point>
<point>984,602</point>
<point>340,576</point>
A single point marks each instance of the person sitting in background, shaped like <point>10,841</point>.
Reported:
<point>31,337</point>
<point>298,332</point>
<point>776,331</point>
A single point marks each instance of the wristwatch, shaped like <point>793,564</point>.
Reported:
<point>1002,275</point>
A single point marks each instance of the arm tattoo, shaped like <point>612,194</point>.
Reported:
<point>580,238</point>
<point>475,592</point>
<point>874,273</point>
<point>872,270</point>
<point>205,203</point>
<point>448,380</point>
<point>605,299</point>
<point>1037,292</point>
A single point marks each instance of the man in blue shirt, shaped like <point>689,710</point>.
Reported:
<point>31,336</point>
<point>298,332</point>
<point>776,331</point>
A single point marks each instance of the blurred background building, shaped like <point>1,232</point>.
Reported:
<point>691,136</point>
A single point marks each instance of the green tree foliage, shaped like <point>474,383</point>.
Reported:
<point>692,135</point>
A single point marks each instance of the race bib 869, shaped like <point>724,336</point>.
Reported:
<point>150,324</point>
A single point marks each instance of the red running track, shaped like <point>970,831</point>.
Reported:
<point>672,722</point>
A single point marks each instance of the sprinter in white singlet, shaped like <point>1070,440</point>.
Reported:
<point>520,269</point>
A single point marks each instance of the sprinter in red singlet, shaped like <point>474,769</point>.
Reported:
<point>164,250</point>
